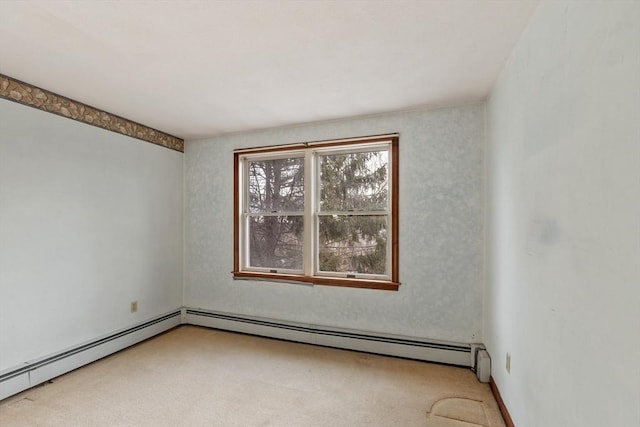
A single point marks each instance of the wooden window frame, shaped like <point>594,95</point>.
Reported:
<point>309,277</point>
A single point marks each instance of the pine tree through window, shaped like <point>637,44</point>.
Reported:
<point>322,213</point>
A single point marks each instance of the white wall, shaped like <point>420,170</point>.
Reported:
<point>563,291</point>
<point>90,220</point>
<point>441,231</point>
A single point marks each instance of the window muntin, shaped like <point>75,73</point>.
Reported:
<point>323,214</point>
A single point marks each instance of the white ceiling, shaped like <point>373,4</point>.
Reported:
<point>201,68</point>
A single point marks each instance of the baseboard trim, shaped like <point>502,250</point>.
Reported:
<point>431,351</point>
<point>503,408</point>
<point>32,373</point>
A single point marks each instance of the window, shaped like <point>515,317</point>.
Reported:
<point>324,213</point>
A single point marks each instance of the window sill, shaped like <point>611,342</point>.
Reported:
<point>317,280</point>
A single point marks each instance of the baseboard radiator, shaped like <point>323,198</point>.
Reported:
<point>38,371</point>
<point>431,351</point>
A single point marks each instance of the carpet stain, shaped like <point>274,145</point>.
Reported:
<point>20,403</point>
<point>457,411</point>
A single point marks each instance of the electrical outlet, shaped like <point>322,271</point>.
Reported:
<point>508,363</point>
<point>134,306</point>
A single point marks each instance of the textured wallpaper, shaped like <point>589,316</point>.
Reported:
<point>441,230</point>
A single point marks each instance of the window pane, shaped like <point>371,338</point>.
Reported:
<point>276,242</point>
<point>354,181</point>
<point>276,185</point>
<point>353,244</point>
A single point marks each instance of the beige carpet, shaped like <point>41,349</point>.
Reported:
<point>193,376</point>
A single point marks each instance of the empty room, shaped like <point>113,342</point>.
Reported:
<point>320,213</point>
